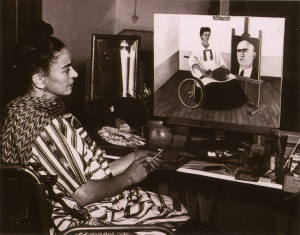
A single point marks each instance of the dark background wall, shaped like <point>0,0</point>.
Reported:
<point>16,16</point>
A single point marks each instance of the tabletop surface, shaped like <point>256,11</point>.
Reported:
<point>195,167</point>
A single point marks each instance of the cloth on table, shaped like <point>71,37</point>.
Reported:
<point>119,137</point>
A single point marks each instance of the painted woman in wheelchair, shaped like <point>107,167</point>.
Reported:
<point>206,57</point>
<point>222,91</point>
<point>38,134</point>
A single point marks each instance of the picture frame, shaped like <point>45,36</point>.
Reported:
<point>115,66</point>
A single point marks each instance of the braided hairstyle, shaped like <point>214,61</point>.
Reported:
<point>34,53</point>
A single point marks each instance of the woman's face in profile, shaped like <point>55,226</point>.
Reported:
<point>60,80</point>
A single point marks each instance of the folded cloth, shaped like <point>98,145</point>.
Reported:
<point>120,137</point>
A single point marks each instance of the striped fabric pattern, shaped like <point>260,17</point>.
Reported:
<point>25,117</point>
<point>64,149</point>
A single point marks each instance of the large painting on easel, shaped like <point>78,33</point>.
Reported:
<point>196,56</point>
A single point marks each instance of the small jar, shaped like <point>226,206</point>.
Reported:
<point>158,136</point>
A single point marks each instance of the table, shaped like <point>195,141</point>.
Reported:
<point>195,167</point>
<point>263,202</point>
<point>233,206</point>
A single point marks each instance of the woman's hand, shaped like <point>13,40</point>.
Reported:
<point>95,190</point>
<point>154,164</point>
<point>143,152</point>
<point>119,166</point>
<point>207,73</point>
<point>131,169</point>
<point>143,163</point>
<point>138,170</point>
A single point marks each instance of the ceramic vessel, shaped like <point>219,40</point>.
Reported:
<point>158,136</point>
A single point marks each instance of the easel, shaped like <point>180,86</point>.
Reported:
<point>257,106</point>
<point>224,15</point>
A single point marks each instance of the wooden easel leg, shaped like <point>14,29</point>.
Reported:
<point>257,109</point>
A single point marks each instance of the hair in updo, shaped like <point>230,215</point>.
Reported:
<point>34,53</point>
<point>204,29</point>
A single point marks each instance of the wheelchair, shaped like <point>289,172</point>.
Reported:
<point>25,208</point>
<point>191,92</point>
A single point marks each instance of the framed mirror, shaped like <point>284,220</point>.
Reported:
<point>115,66</point>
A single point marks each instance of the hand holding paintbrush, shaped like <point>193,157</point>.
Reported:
<point>155,162</point>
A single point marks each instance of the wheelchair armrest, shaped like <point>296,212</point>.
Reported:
<point>49,180</point>
<point>119,228</point>
<point>8,169</point>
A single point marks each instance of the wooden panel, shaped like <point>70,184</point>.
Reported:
<point>167,104</point>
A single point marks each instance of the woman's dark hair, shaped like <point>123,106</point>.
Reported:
<point>34,52</point>
<point>204,29</point>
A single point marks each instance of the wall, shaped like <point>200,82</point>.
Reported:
<point>166,55</point>
<point>147,8</point>
<point>74,21</point>
<point>272,38</point>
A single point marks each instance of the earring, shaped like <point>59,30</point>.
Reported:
<point>44,95</point>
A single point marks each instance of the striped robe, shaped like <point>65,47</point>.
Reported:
<point>64,149</point>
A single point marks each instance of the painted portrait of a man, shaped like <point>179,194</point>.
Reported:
<point>245,56</point>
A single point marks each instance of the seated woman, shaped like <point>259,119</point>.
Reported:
<point>222,91</point>
<point>38,134</point>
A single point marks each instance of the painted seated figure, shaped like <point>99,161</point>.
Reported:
<point>221,89</point>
